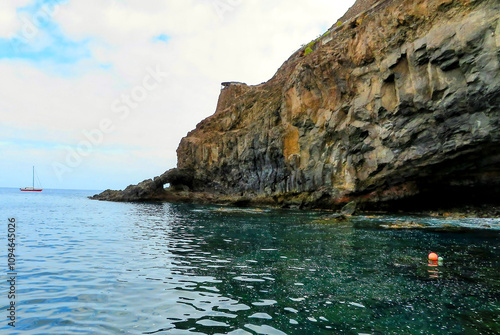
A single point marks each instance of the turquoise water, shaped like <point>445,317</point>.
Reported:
<point>89,267</point>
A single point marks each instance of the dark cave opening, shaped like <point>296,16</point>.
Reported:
<point>446,197</point>
<point>469,180</point>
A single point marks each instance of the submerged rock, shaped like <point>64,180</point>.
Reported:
<point>349,209</point>
<point>395,107</point>
<point>337,217</point>
<point>405,225</point>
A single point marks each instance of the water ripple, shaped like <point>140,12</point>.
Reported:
<point>92,267</point>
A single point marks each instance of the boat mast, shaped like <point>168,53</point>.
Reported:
<point>33,177</point>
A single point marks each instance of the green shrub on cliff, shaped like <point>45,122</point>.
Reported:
<point>309,48</point>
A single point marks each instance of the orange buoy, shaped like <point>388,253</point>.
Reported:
<point>433,256</point>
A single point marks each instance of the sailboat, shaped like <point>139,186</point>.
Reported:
<point>32,188</point>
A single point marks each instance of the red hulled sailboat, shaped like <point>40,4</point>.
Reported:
<point>32,188</point>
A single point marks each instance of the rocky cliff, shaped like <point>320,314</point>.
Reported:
<point>398,104</point>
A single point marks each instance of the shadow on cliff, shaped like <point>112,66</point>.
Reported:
<point>395,109</point>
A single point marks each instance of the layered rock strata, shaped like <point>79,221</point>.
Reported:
<point>397,106</point>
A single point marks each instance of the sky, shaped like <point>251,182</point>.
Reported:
<point>97,94</point>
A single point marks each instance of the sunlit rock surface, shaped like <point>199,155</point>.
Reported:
<point>397,105</point>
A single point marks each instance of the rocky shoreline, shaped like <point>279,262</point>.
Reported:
<point>133,194</point>
<point>394,109</point>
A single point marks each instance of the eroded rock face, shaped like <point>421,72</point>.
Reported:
<point>150,189</point>
<point>402,102</point>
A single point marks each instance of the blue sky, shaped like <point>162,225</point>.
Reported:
<point>97,94</point>
<point>40,39</point>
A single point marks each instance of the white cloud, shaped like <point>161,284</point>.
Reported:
<point>9,20</point>
<point>47,102</point>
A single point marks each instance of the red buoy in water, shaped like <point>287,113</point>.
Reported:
<point>433,256</point>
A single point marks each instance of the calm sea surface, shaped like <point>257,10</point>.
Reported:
<point>89,267</point>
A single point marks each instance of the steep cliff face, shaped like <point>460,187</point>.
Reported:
<point>400,102</point>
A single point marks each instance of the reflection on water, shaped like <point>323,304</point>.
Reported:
<point>110,268</point>
<point>433,269</point>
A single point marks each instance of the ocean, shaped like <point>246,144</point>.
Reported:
<point>77,266</point>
